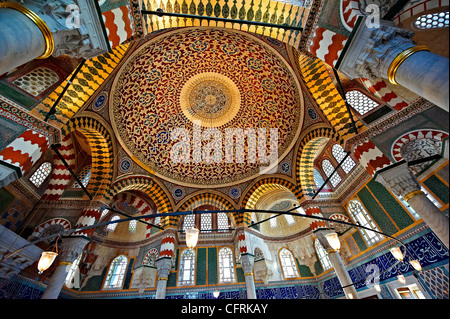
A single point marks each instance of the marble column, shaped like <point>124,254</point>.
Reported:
<point>15,25</point>
<point>402,182</point>
<point>69,251</point>
<point>247,261</point>
<point>38,29</point>
<point>388,52</point>
<point>338,265</point>
<point>163,265</point>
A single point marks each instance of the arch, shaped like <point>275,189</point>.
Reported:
<point>318,81</point>
<point>306,154</point>
<point>90,77</point>
<point>382,90</point>
<point>102,152</point>
<point>349,13</point>
<point>150,258</point>
<point>63,223</point>
<point>210,197</point>
<point>340,228</point>
<point>158,194</point>
<point>137,202</point>
<point>258,189</point>
<point>269,12</point>
<point>61,176</point>
<point>414,135</point>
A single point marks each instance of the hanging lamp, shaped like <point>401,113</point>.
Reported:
<point>47,258</point>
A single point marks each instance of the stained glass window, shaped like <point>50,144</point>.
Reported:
<point>186,273</point>
<point>42,172</point>
<point>288,264</point>
<point>84,176</point>
<point>323,256</point>
<point>360,102</point>
<point>226,266</point>
<point>328,170</point>
<point>339,154</point>
<point>360,215</point>
<point>116,273</point>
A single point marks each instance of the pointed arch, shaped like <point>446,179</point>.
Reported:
<point>307,151</point>
<point>102,152</point>
<point>210,197</point>
<point>158,193</point>
<point>258,189</point>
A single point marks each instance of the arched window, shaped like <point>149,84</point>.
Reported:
<point>328,170</point>
<point>339,154</point>
<point>84,176</point>
<point>226,266</point>
<point>112,227</point>
<point>116,273</point>
<point>360,102</point>
<point>323,256</point>
<point>72,271</point>
<point>360,215</point>
<point>288,264</point>
<point>432,21</point>
<point>132,226</point>
<point>186,273</point>
<point>42,172</point>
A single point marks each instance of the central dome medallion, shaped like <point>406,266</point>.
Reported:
<point>211,98</point>
<point>204,82</point>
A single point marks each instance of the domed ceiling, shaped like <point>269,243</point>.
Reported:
<point>204,79</point>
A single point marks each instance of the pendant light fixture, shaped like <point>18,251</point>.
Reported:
<point>47,258</point>
<point>416,264</point>
<point>333,240</point>
<point>397,253</point>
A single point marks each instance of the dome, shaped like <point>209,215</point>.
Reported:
<point>206,83</point>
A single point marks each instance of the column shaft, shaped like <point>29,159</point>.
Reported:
<point>426,74</point>
<point>432,216</point>
<point>56,283</point>
<point>342,274</point>
<point>250,285</point>
<point>21,40</point>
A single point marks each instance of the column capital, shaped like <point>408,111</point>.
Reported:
<point>71,248</point>
<point>399,179</point>
<point>74,26</point>
<point>163,265</point>
<point>373,49</point>
<point>247,261</point>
